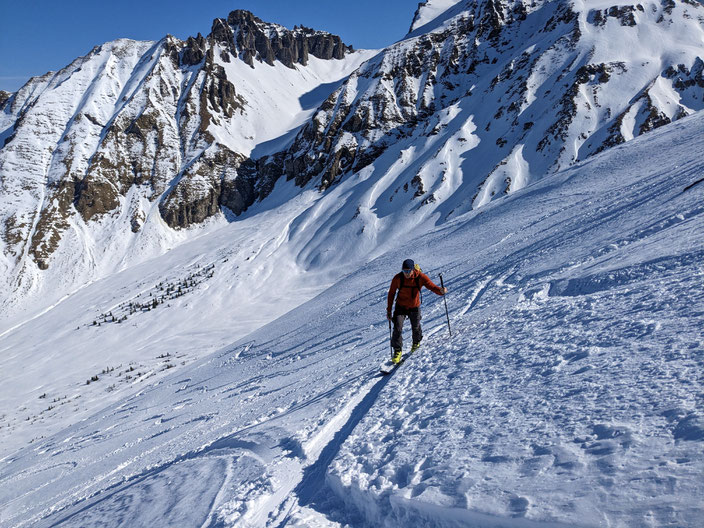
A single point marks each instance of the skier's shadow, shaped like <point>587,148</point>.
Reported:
<point>311,491</point>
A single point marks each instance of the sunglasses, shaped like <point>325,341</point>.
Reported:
<point>407,271</point>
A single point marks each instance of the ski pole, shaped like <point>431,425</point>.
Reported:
<point>447,314</point>
<point>390,343</point>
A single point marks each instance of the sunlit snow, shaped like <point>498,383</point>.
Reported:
<point>570,393</point>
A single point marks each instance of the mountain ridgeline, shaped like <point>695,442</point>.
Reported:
<point>476,101</point>
<point>129,124</point>
<point>541,86</point>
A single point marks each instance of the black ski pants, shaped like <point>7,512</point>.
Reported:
<point>398,319</point>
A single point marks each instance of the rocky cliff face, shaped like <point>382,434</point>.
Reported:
<point>4,97</point>
<point>131,129</point>
<point>251,39</point>
<point>540,85</point>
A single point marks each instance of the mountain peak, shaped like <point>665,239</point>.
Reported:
<point>246,36</point>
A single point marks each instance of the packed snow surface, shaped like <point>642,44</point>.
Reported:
<point>570,393</point>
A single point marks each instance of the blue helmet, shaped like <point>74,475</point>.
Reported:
<point>408,264</point>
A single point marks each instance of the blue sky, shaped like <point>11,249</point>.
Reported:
<point>37,36</point>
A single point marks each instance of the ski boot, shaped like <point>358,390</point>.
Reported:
<point>396,358</point>
<point>415,347</point>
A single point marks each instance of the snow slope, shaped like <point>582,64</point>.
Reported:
<point>570,393</point>
<point>493,95</point>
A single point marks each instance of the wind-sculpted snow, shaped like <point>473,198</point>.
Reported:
<point>429,11</point>
<point>569,395</point>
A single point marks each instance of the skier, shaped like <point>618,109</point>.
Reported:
<point>408,283</point>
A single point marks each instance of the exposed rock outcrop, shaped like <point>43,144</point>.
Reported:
<point>626,14</point>
<point>203,187</point>
<point>53,221</point>
<point>220,178</point>
<point>218,98</point>
<point>684,78</point>
<point>257,40</point>
<point>4,98</point>
<point>240,189</point>
<point>194,51</point>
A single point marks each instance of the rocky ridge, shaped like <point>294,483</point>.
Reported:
<point>4,97</point>
<point>129,127</point>
<point>249,38</point>
<point>542,84</point>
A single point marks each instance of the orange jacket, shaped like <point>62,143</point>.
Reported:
<point>409,295</point>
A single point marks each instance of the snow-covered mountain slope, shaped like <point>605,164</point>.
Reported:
<point>101,160</point>
<point>491,95</point>
<point>569,395</point>
<point>166,313</point>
